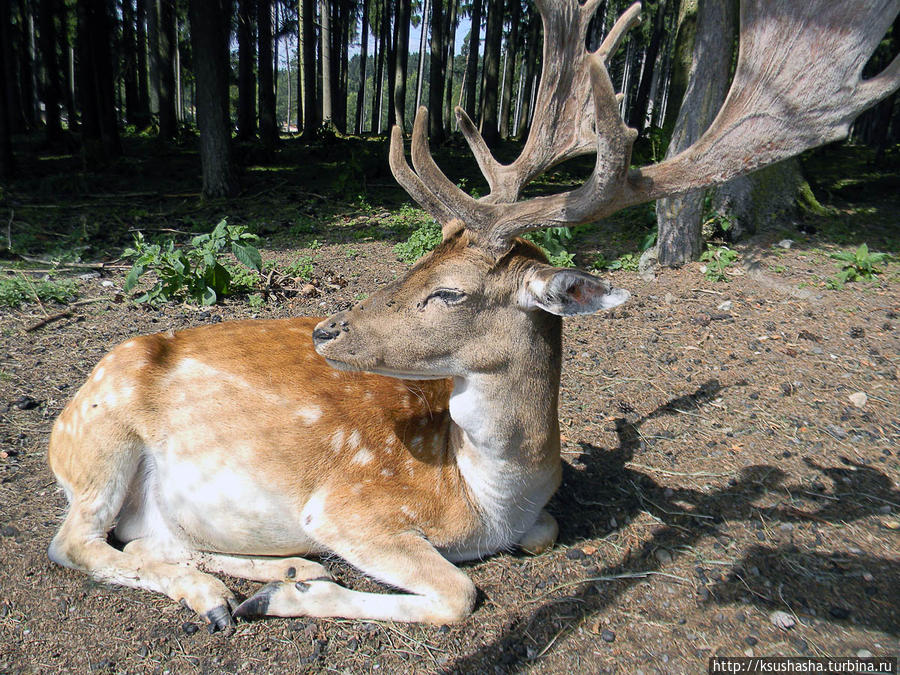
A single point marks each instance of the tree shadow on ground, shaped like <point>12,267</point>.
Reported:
<point>807,583</point>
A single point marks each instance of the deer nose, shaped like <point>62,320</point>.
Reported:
<point>328,330</point>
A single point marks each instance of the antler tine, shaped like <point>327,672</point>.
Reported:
<point>629,19</point>
<point>464,207</point>
<point>490,168</point>
<point>413,185</point>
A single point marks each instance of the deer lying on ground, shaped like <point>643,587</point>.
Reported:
<point>419,427</point>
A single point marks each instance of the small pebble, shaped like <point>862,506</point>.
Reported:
<point>750,640</point>
<point>782,620</point>
<point>859,399</point>
<point>785,243</point>
<point>663,556</point>
<point>786,527</point>
<point>725,306</point>
<point>189,628</point>
<point>575,554</point>
<point>607,635</point>
<point>864,653</point>
<point>884,509</point>
<point>839,612</point>
<point>8,531</point>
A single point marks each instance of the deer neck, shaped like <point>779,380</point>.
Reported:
<point>505,428</point>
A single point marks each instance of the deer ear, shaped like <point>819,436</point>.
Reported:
<point>565,292</point>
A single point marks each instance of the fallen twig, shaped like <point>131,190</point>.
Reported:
<point>60,315</point>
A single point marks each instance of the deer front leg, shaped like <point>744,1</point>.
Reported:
<point>262,568</point>
<point>541,536</point>
<point>439,592</point>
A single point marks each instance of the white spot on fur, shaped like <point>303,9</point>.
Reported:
<point>310,414</point>
<point>337,440</point>
<point>408,512</point>
<point>362,457</point>
<point>387,473</point>
<point>98,374</point>
<point>354,440</point>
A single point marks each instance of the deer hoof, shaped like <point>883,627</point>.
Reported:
<point>219,618</point>
<point>258,603</point>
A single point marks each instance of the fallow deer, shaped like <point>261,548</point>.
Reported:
<point>419,427</point>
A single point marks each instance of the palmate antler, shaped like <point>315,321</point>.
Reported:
<point>797,85</point>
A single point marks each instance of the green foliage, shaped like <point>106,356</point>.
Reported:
<point>553,241</point>
<point>857,265</point>
<point>255,300</point>
<point>422,240</point>
<point>17,290</point>
<point>195,272</point>
<point>627,261</point>
<point>718,259</point>
<point>302,267</point>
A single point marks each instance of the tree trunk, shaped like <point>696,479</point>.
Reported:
<point>28,67</point>
<point>512,45</point>
<point>682,56</point>
<point>404,9</point>
<point>168,126</point>
<point>143,91</point>
<point>246,106</point>
<point>100,134</point>
<point>420,71</point>
<point>153,53</point>
<point>308,49</point>
<point>391,44</point>
<point>52,88</point>
<point>493,38</point>
<point>638,111</point>
<point>325,19</point>
<point>210,32</point>
<point>471,76</point>
<point>377,101</point>
<point>7,163</point>
<point>11,44</point>
<point>265,66</point>
<point>363,59</point>
<point>450,24</point>
<point>437,73</point>
<point>529,73</point>
<point>679,218</point>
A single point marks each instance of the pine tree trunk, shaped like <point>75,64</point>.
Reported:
<point>402,65</point>
<point>529,73</point>
<point>472,62</point>
<point>143,92</point>
<point>638,111</point>
<point>437,73</point>
<point>325,20</point>
<point>512,43</point>
<point>450,24</point>
<point>246,111</point>
<point>379,69</point>
<point>310,100</point>
<point>493,38</point>
<point>210,21</point>
<point>153,53</point>
<point>168,127</point>
<point>100,134</point>
<point>682,56</point>
<point>7,162</point>
<point>391,56</point>
<point>363,62</point>
<point>679,218</point>
<point>52,88</point>
<point>265,66</point>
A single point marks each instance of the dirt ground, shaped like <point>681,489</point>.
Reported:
<point>716,472</point>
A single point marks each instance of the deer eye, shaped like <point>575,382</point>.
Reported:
<point>449,296</point>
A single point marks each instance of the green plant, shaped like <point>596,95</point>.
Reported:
<point>553,241</point>
<point>255,300</point>
<point>301,267</point>
<point>857,265</point>
<point>17,290</point>
<point>718,259</point>
<point>422,240</point>
<point>194,272</point>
